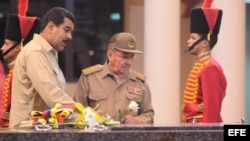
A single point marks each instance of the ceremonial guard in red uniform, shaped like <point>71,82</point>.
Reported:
<point>19,31</point>
<point>206,85</point>
<point>2,80</point>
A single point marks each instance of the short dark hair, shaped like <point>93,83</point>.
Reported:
<point>56,15</point>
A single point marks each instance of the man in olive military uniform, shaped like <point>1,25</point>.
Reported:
<point>111,87</point>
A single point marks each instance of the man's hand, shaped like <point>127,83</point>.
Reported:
<point>129,119</point>
<point>192,109</point>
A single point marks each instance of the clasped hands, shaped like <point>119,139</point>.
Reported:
<point>192,109</point>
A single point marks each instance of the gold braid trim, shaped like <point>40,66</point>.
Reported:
<point>7,93</point>
<point>192,84</point>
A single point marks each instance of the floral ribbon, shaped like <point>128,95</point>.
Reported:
<point>58,115</point>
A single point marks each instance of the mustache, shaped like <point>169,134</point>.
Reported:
<point>66,41</point>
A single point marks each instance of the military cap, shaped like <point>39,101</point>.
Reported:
<point>21,27</point>
<point>123,41</point>
<point>206,20</point>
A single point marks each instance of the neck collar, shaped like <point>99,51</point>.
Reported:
<point>203,55</point>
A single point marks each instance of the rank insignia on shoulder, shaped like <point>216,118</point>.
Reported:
<point>138,75</point>
<point>92,69</point>
<point>134,90</point>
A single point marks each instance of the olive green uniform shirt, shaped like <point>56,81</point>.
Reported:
<point>98,88</point>
<point>38,82</point>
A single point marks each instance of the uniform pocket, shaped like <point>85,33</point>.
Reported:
<point>134,97</point>
<point>96,99</point>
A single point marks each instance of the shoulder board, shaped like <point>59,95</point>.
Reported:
<point>138,75</point>
<point>92,69</point>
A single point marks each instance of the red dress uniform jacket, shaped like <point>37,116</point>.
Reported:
<point>204,92</point>
<point>2,80</point>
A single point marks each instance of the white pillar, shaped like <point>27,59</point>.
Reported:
<point>162,57</point>
<point>230,52</point>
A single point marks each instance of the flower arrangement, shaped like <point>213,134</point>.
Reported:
<point>72,115</point>
<point>133,108</point>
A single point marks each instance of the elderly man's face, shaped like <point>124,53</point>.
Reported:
<point>120,62</point>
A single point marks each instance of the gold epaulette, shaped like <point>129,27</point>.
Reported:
<point>92,69</point>
<point>138,75</point>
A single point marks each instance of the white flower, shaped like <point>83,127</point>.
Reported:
<point>90,117</point>
<point>133,106</point>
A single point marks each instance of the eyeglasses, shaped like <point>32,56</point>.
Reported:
<point>125,56</point>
